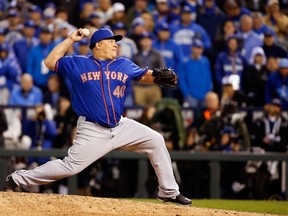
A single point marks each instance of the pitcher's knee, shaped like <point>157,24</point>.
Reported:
<point>158,140</point>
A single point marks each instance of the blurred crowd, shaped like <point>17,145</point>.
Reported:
<point>230,58</point>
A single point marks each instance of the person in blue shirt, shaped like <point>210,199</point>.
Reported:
<point>35,63</point>
<point>185,32</point>
<point>277,84</point>
<point>23,46</point>
<point>195,78</point>
<point>210,11</point>
<point>228,63</point>
<point>249,38</point>
<point>27,94</point>
<point>260,27</point>
<point>9,69</point>
<point>172,54</point>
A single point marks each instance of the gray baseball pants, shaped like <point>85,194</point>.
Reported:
<point>93,141</point>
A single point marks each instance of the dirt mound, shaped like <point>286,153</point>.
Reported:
<point>29,204</point>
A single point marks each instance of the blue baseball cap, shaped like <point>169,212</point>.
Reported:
<point>35,8</point>
<point>186,9</point>
<point>30,24</point>
<point>118,25</point>
<point>197,43</point>
<point>3,31</point>
<point>146,35</point>
<point>4,47</point>
<point>103,34</point>
<point>283,63</point>
<point>84,41</point>
<point>163,26</point>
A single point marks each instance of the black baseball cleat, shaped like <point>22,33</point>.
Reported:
<point>10,185</point>
<point>180,199</point>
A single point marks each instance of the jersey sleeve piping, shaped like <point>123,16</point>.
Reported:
<point>146,70</point>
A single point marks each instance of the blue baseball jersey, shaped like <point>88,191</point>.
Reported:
<point>99,86</point>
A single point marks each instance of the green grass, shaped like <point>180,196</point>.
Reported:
<point>269,206</point>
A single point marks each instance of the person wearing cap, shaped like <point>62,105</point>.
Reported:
<point>127,47</point>
<point>35,59</point>
<point>210,11</point>
<point>13,27</point>
<point>139,7</point>
<point>277,83</point>
<point>270,47</point>
<point>195,78</point>
<point>229,62</point>
<point>98,93</point>
<point>270,131</point>
<point>147,56</point>
<point>277,20</point>
<point>234,11</point>
<point>35,14</point>
<point>9,73</point>
<point>187,30</point>
<point>161,11</point>
<point>105,9</point>
<point>23,46</point>
<point>172,54</point>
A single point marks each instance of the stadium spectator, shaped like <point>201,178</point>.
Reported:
<point>22,47</point>
<point>35,14</point>
<point>52,95</point>
<point>229,63</point>
<point>66,120</point>
<point>104,7</point>
<point>270,47</point>
<point>147,57</point>
<point>161,12</point>
<point>225,31</point>
<point>272,65</point>
<point>41,128</point>
<point>174,16</point>
<point>83,47</point>
<point>118,15</point>
<point>27,94</point>
<point>255,77</point>
<point>231,95</point>
<point>3,33</point>
<point>9,73</point>
<point>229,118</point>
<point>260,27</point>
<point>139,7</point>
<point>277,84</point>
<point>194,84</point>
<point>68,11</point>
<point>148,21</point>
<point>276,19</point>
<point>270,131</point>
<point>13,26</point>
<point>127,46</point>
<point>248,37</point>
<point>172,54</point>
<point>234,11</point>
<point>86,11</point>
<point>138,28</point>
<point>187,31</point>
<point>35,65</point>
<point>210,11</point>
<point>95,20</point>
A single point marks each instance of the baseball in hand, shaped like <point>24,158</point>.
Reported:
<point>85,31</point>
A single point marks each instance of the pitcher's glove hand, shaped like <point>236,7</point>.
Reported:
<point>165,76</point>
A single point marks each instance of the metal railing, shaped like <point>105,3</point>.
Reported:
<point>213,157</point>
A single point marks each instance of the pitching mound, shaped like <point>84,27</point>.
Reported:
<point>29,204</point>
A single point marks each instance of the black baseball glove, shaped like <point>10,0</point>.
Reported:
<point>165,76</point>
